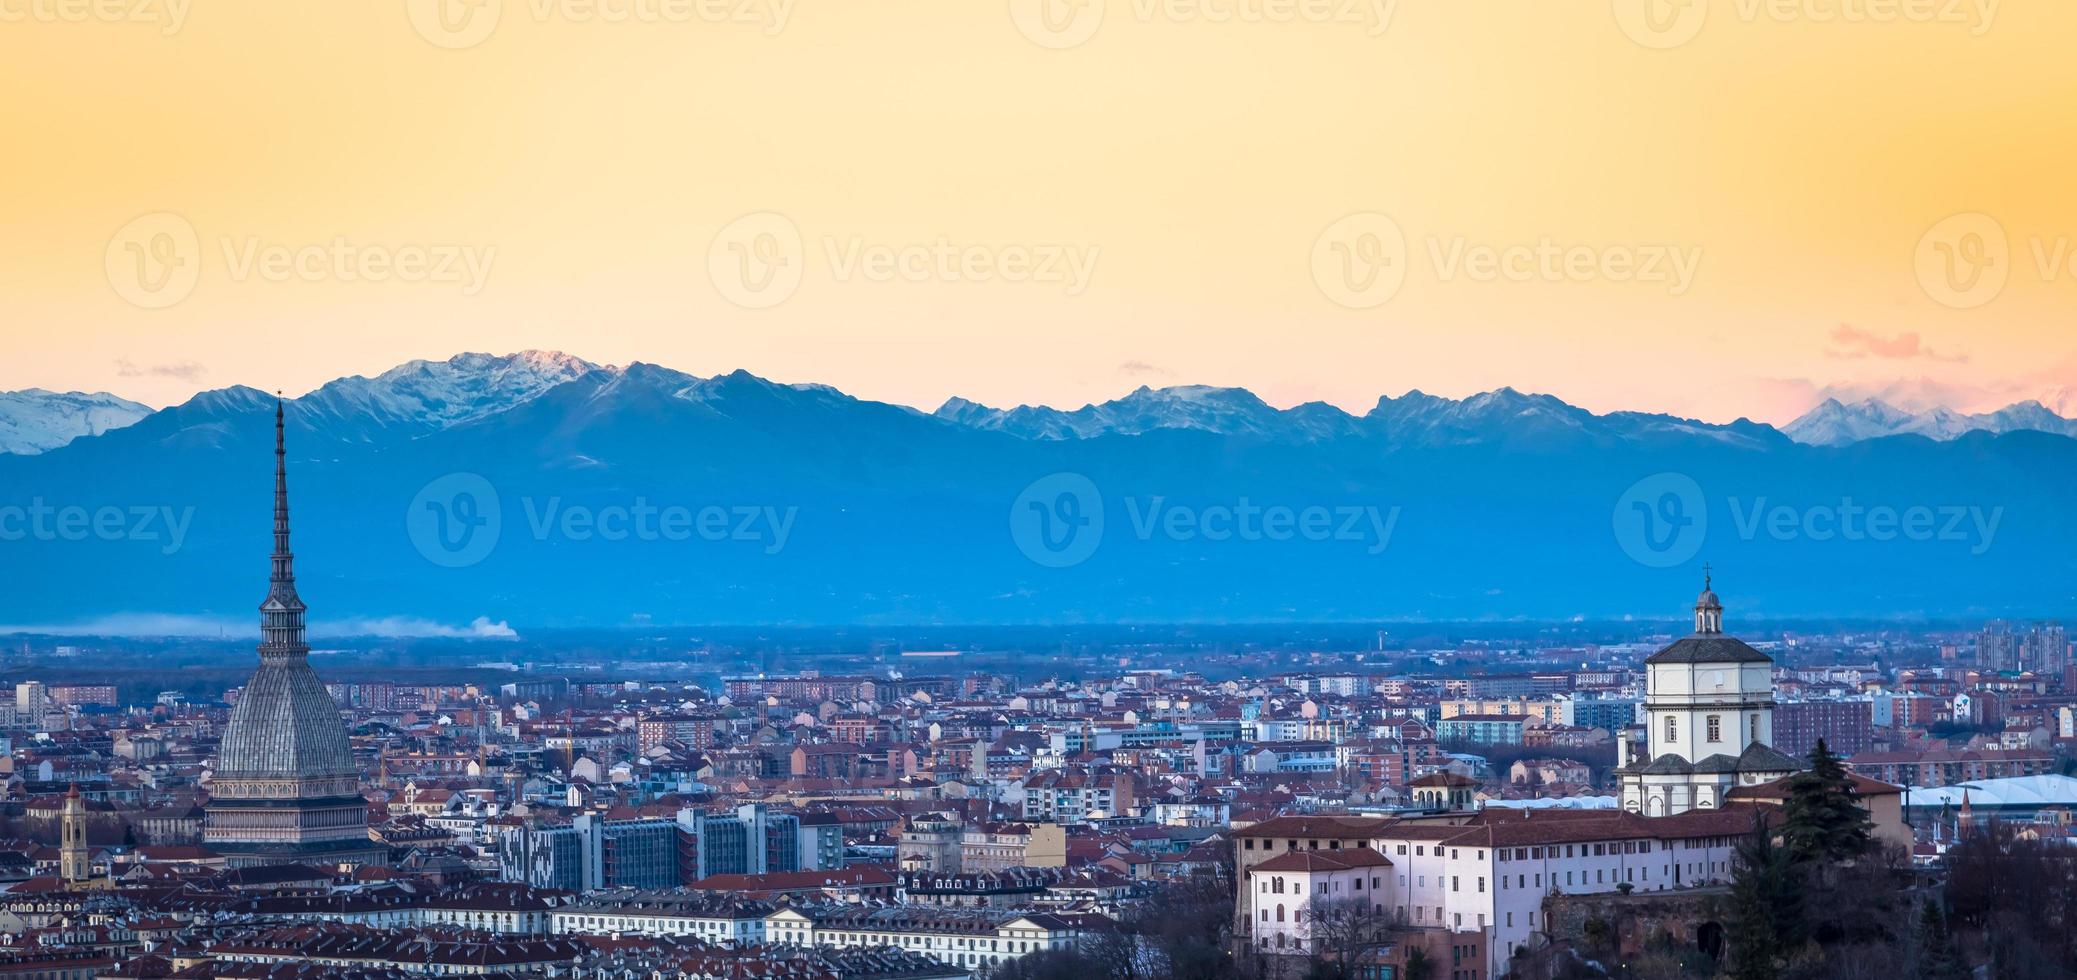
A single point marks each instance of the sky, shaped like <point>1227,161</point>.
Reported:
<point>1717,208</point>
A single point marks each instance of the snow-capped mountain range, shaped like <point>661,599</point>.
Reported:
<point>36,420</point>
<point>814,506</point>
<point>421,397</point>
<point>1835,423</point>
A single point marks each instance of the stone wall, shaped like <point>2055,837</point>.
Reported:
<point>1626,925</point>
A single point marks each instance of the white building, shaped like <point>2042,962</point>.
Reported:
<point>1295,889</point>
<point>1709,721</point>
<point>1489,871</point>
<point>712,918</point>
<point>973,939</point>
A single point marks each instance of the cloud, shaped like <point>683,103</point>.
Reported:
<point>1852,343</point>
<point>480,628</point>
<point>183,370</point>
<point>1141,368</point>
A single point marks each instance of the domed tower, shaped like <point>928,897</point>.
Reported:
<point>285,788</point>
<point>1709,720</point>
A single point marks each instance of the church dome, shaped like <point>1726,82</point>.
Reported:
<point>285,726</point>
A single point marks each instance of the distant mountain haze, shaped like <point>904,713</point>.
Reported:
<point>542,490</point>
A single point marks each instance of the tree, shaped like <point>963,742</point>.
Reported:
<point>1822,818</point>
<point>1418,966</point>
<point>1937,958</point>
<point>1765,906</point>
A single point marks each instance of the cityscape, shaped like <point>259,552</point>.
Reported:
<point>1037,490</point>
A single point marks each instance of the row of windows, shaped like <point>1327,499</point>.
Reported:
<point>1713,728</point>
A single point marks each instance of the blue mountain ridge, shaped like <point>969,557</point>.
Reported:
<point>798,504</point>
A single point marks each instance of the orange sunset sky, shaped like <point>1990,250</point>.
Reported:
<point>1713,207</point>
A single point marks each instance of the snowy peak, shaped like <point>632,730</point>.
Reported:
<point>35,421</point>
<point>1834,423</point>
<point>1502,416</point>
<point>435,395</point>
<point>1227,411</point>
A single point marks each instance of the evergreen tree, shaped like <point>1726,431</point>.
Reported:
<point>1937,957</point>
<point>1765,907</point>
<point>1822,816</point>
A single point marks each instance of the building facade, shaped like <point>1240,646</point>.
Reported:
<point>1709,721</point>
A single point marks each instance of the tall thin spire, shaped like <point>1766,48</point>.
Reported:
<point>281,616</point>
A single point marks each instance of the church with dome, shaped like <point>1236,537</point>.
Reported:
<point>285,787</point>
<point>1709,721</point>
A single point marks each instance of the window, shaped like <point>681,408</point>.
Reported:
<point>1716,728</point>
<point>1672,729</point>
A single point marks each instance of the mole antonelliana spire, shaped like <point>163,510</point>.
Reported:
<point>281,616</point>
<point>285,787</point>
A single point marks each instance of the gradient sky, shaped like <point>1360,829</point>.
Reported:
<point>1805,158</point>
